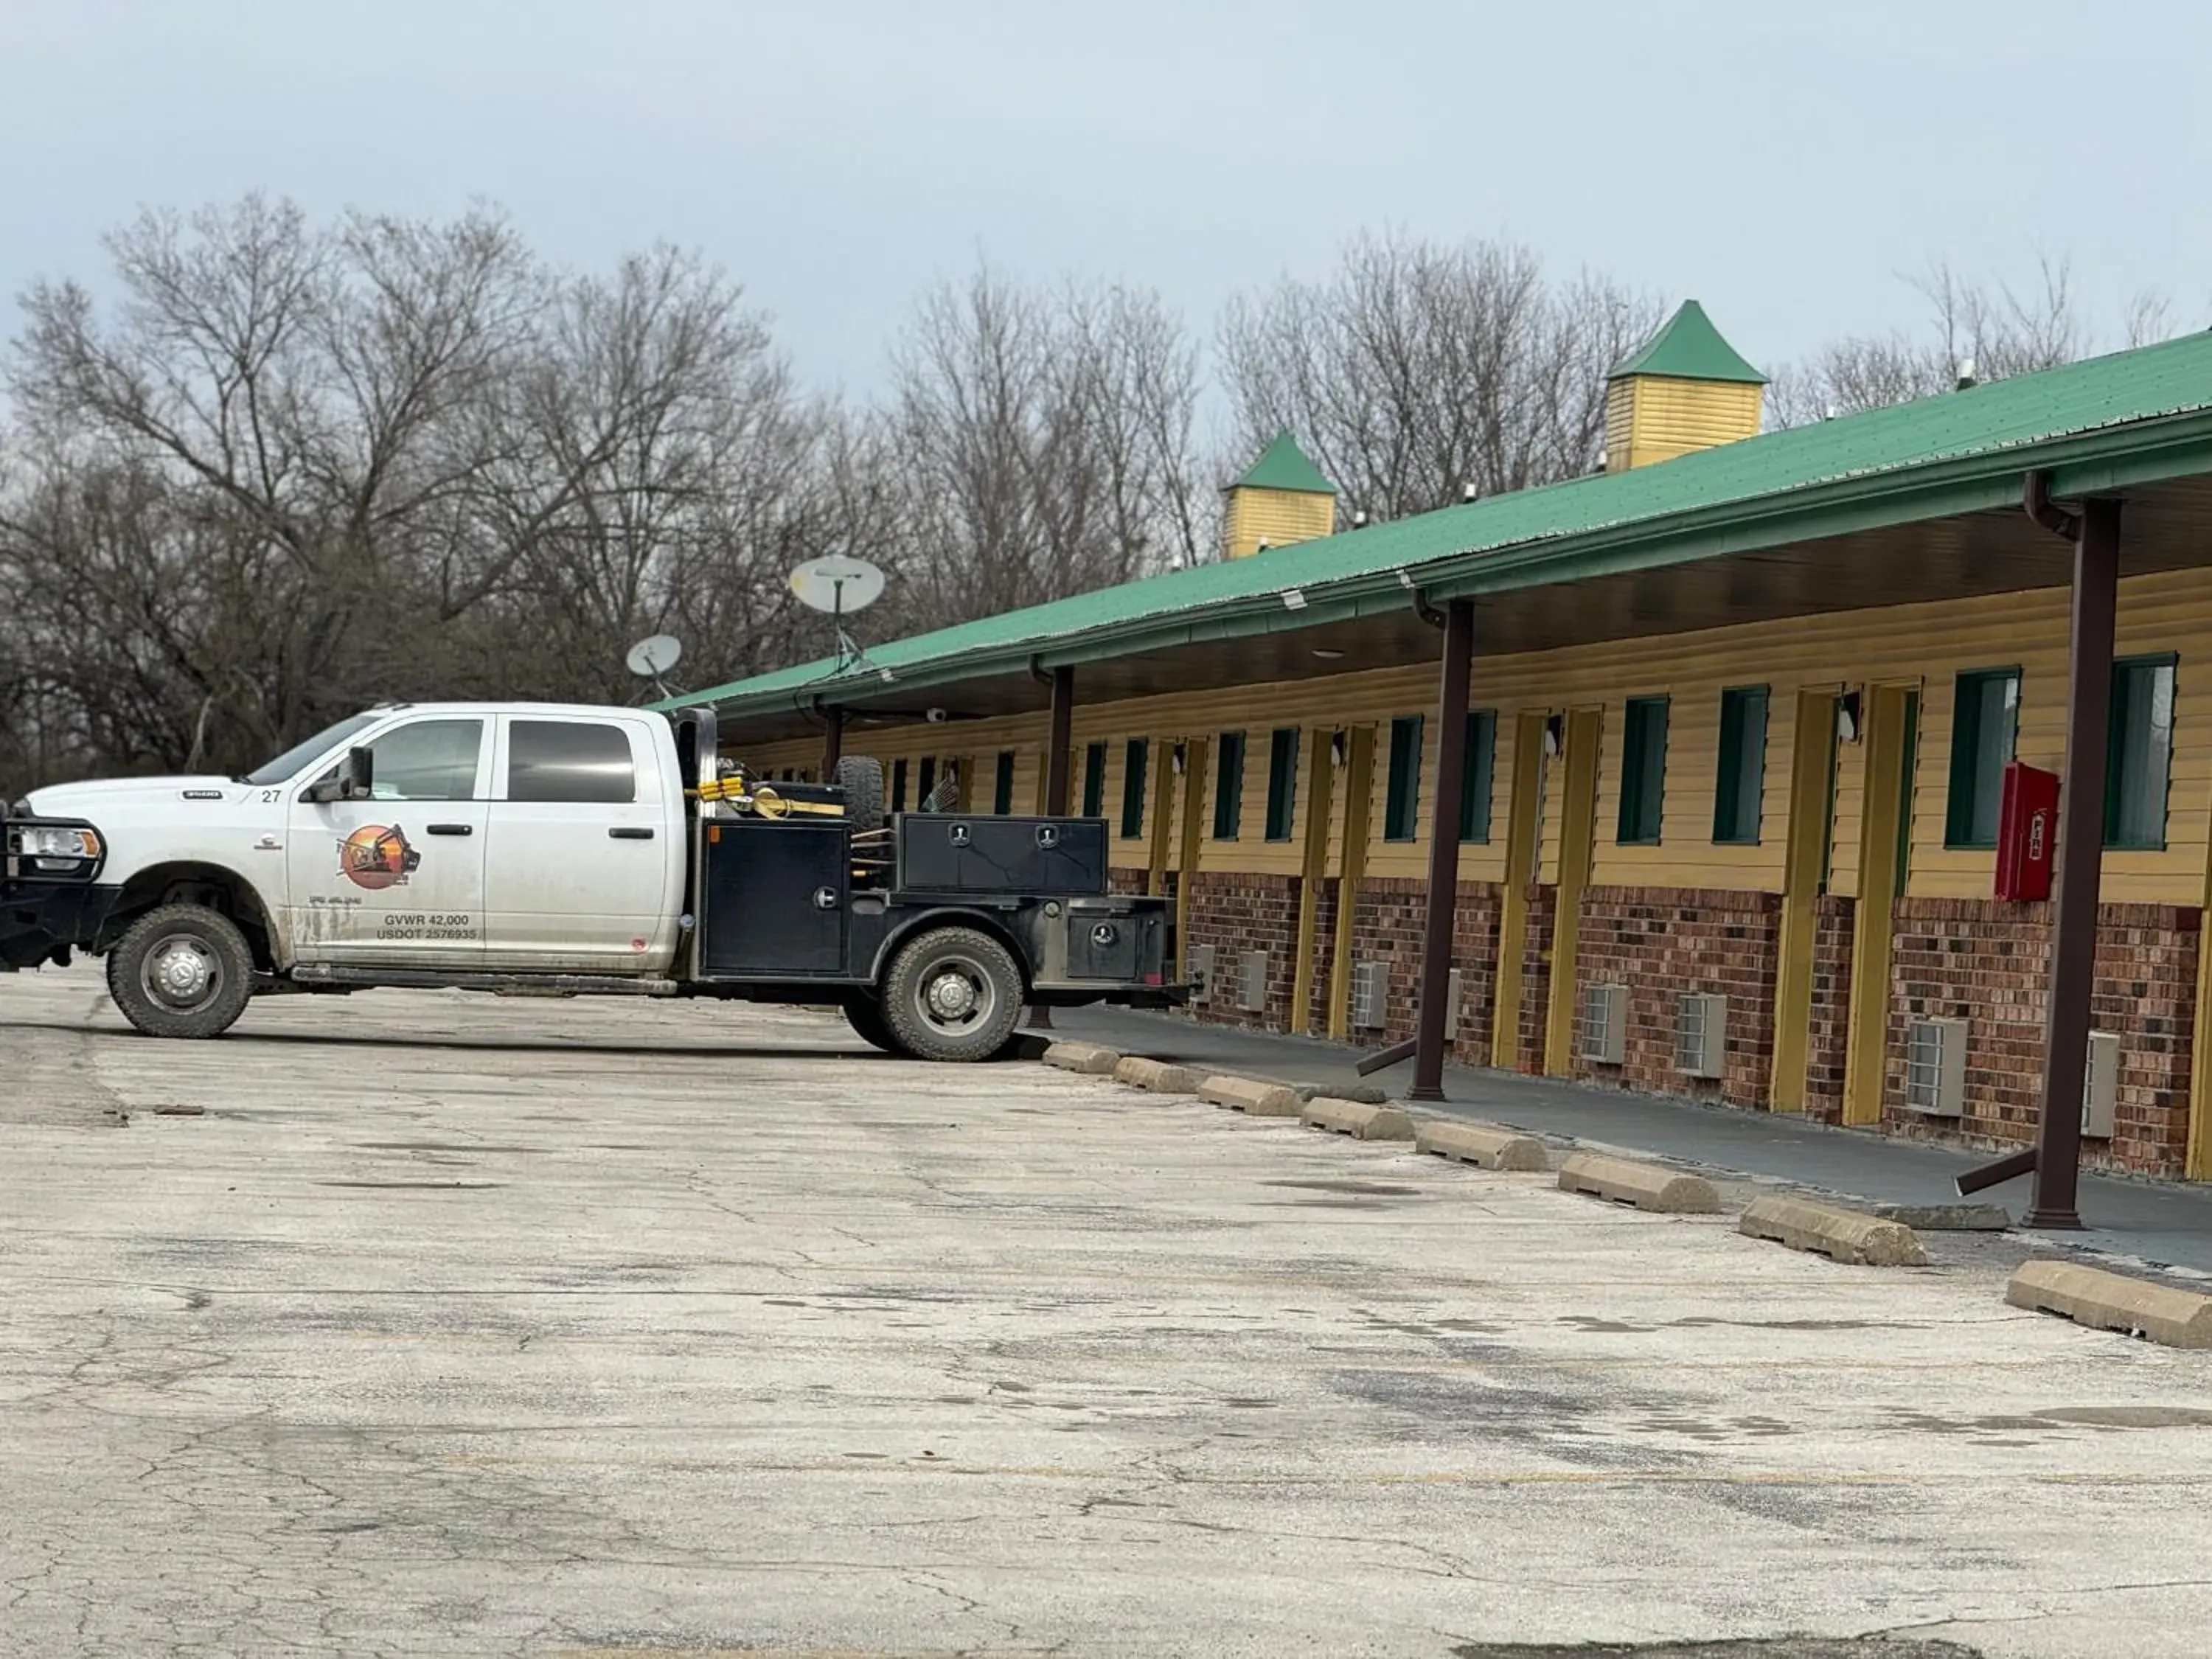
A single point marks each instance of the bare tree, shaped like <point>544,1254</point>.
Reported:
<point>1419,371</point>
<point>1036,443</point>
<point>1974,331</point>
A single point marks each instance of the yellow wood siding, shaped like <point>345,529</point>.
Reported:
<point>1927,646</point>
<point>1650,417</point>
<point>1277,517</point>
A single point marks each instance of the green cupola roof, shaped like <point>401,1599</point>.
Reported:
<point>1690,348</point>
<point>1285,466</point>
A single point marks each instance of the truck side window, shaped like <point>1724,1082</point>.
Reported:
<point>569,761</point>
<point>427,760</point>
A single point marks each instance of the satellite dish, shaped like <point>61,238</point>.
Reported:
<point>650,659</point>
<point>837,585</point>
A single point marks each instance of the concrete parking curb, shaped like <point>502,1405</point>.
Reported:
<point>1085,1057</point>
<point>1643,1186</point>
<point>2113,1302</point>
<point>1487,1144</point>
<point>1359,1121</point>
<point>1842,1236</point>
<point>1244,1094</point>
<point>1157,1075</point>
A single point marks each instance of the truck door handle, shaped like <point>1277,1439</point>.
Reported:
<point>453,829</point>
<point>629,832</point>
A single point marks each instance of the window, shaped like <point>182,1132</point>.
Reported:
<point>1984,721</point>
<point>1282,781</point>
<point>1742,778</point>
<point>1229,786</point>
<point>2140,753</point>
<point>1094,779</point>
<point>1002,786</point>
<point>569,761</point>
<point>1402,803</point>
<point>1475,780</point>
<point>430,760</point>
<point>1643,772</point>
<point>1132,787</point>
<point>898,786</point>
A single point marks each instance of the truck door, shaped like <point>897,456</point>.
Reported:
<point>397,879</point>
<point>585,857</point>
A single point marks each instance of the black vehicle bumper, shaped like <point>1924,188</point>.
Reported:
<point>40,921</point>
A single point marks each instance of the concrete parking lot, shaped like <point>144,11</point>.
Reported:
<point>447,1326</point>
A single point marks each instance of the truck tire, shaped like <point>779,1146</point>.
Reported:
<point>862,780</point>
<point>182,970</point>
<point>953,993</point>
<point>866,1015</point>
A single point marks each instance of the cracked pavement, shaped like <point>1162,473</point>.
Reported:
<point>469,1326</point>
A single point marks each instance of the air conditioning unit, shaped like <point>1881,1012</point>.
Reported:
<point>1601,1030</point>
<point>1936,1068</point>
<point>1252,982</point>
<point>2101,1084</point>
<point>1198,963</point>
<point>1701,1034</point>
<point>1371,995</point>
<point>1452,991</point>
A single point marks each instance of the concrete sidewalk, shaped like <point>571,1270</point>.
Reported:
<point>2159,1225</point>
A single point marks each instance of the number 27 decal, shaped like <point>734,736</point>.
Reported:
<point>269,797</point>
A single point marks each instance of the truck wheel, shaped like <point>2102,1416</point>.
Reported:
<point>862,780</point>
<point>181,971</point>
<point>866,1015</point>
<point>953,994</point>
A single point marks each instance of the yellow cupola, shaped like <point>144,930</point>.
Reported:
<point>1688,389</point>
<point>1282,498</point>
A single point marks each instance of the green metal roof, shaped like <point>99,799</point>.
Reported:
<point>1283,466</point>
<point>2131,418</point>
<point>1690,348</point>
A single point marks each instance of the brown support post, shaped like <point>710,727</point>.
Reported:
<point>1055,779</point>
<point>833,742</point>
<point>2079,863</point>
<point>1444,851</point>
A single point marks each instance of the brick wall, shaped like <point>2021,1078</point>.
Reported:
<point>1389,928</point>
<point>1826,1039</point>
<point>1475,951</point>
<point>1128,878</point>
<point>1236,912</point>
<point>1988,964</point>
<point>1663,942</point>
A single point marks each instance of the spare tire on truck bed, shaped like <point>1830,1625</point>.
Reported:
<point>862,780</point>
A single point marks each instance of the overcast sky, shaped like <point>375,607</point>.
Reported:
<point>1780,162</point>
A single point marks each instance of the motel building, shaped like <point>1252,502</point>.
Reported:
<point>1687,777</point>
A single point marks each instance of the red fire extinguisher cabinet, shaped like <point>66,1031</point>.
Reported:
<point>2027,832</point>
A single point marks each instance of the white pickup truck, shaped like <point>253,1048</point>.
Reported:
<point>563,849</point>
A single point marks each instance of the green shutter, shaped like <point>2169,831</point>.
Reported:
<point>1984,721</point>
<point>2139,758</point>
<point>1742,778</point>
<point>1094,779</point>
<point>1401,806</point>
<point>1228,785</point>
<point>1282,781</point>
<point>1133,788</point>
<point>898,786</point>
<point>1474,782</point>
<point>1643,772</point>
<point>1002,786</point>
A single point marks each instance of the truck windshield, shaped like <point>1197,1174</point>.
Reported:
<point>287,765</point>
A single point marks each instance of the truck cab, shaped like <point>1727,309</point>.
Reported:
<point>561,848</point>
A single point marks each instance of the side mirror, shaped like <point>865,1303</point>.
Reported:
<point>350,780</point>
<point>356,772</point>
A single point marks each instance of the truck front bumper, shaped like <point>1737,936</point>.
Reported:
<point>40,921</point>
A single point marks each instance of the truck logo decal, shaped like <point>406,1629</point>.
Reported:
<point>377,856</point>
